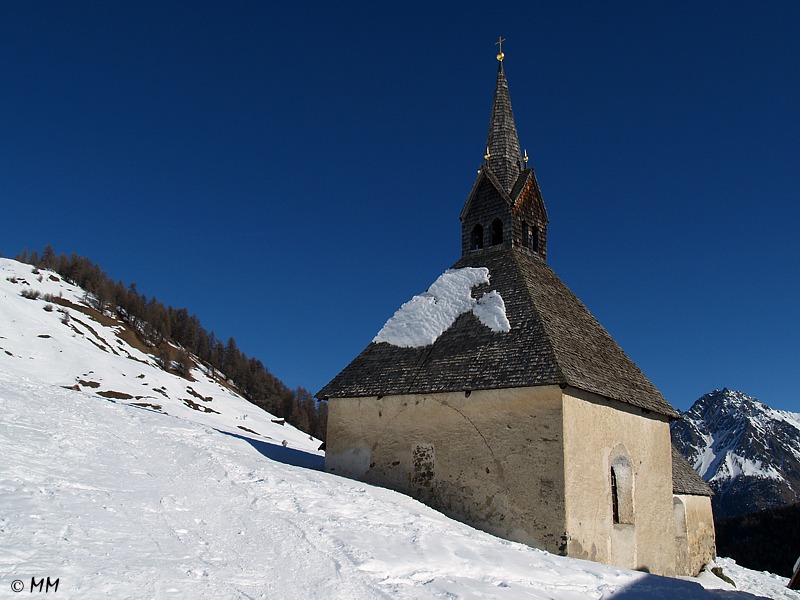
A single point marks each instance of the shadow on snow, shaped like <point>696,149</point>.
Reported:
<point>667,588</point>
<point>278,453</point>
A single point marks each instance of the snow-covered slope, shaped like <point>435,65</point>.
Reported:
<point>117,501</point>
<point>115,498</point>
<point>60,339</point>
<point>748,452</point>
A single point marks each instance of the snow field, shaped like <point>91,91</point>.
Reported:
<point>122,501</point>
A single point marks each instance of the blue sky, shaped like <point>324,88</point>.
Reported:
<point>293,173</point>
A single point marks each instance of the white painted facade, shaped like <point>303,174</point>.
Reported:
<point>531,465</point>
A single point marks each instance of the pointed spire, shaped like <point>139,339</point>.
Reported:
<point>504,155</point>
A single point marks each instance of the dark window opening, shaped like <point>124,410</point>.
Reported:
<point>535,240</point>
<point>497,232</point>
<point>476,239</point>
<point>622,491</point>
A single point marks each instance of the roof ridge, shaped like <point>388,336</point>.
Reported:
<point>519,185</point>
<point>485,172</point>
<point>635,382</point>
<point>515,256</point>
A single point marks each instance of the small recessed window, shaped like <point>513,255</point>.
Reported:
<point>497,232</point>
<point>622,491</point>
<point>476,238</point>
<point>535,240</point>
<point>614,496</point>
<point>679,516</point>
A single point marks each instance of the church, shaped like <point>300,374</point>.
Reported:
<point>497,398</point>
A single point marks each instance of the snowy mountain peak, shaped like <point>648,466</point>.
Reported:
<point>748,452</point>
<point>726,401</point>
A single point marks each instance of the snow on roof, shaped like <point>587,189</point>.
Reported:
<point>421,320</point>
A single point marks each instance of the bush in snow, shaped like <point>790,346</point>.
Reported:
<point>30,294</point>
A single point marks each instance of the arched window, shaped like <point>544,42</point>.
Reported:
<point>535,240</point>
<point>497,232</point>
<point>476,239</point>
<point>622,491</point>
<point>679,517</point>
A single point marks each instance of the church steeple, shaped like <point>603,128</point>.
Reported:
<point>502,141</point>
<point>505,207</point>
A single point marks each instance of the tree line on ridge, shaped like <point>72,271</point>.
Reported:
<point>157,324</point>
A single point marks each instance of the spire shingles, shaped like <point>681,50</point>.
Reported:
<point>502,142</point>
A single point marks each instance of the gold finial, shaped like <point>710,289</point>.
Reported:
<point>487,156</point>
<point>525,158</point>
<point>499,42</point>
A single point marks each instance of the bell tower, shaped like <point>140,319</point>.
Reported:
<point>505,208</point>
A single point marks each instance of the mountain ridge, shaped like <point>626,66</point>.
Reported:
<point>748,452</point>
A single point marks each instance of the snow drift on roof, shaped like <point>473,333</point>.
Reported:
<point>421,320</point>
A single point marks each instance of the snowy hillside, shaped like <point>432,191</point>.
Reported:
<point>118,501</point>
<point>748,452</point>
<point>148,496</point>
<point>58,338</point>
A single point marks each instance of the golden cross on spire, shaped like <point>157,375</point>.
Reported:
<point>499,42</point>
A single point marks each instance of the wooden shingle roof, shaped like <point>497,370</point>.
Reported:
<point>502,141</point>
<point>554,340</point>
<point>685,480</point>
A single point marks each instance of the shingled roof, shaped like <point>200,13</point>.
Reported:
<point>685,480</point>
<point>554,340</point>
<point>502,141</point>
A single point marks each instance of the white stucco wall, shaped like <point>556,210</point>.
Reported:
<point>528,464</point>
<point>493,459</point>
<point>695,541</point>
<point>597,430</point>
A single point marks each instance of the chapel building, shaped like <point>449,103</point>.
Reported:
<point>539,429</point>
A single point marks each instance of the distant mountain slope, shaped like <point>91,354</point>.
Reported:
<point>51,333</point>
<point>748,452</point>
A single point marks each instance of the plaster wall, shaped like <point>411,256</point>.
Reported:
<point>493,458</point>
<point>597,431</point>
<point>694,536</point>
